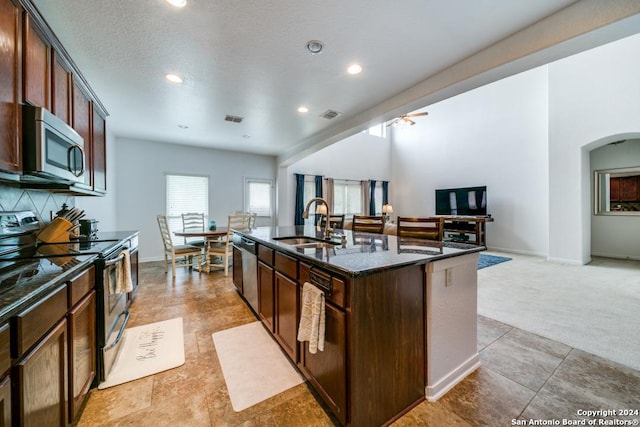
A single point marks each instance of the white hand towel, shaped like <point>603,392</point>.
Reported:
<point>124,283</point>
<point>312,322</point>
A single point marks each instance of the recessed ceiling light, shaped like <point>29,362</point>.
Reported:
<point>173,78</point>
<point>177,3</point>
<point>315,46</point>
<point>183,126</point>
<point>303,110</point>
<point>246,136</point>
<point>354,69</point>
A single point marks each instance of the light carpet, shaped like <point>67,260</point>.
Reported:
<point>253,365</point>
<point>591,307</point>
<point>147,350</point>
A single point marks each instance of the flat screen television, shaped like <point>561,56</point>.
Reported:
<point>462,201</point>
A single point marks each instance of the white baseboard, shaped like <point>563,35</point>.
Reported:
<point>435,391</point>
<point>515,251</point>
<point>568,261</point>
<point>616,256</point>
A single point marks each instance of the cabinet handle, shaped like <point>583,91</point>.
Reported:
<point>322,282</point>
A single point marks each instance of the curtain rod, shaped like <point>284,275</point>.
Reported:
<point>343,179</point>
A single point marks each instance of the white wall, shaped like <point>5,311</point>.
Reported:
<point>140,169</point>
<point>359,157</point>
<point>612,235</point>
<point>594,99</point>
<point>496,136</point>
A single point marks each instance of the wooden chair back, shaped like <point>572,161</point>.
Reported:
<point>335,221</point>
<point>224,248</point>
<point>420,228</point>
<point>368,224</point>
<point>193,221</point>
<point>165,233</point>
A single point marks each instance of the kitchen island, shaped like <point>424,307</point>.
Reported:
<point>400,315</point>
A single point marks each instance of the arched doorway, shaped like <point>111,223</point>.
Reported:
<point>615,223</point>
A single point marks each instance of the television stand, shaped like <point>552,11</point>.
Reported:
<point>465,229</point>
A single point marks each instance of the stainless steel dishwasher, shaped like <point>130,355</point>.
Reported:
<point>249,250</point>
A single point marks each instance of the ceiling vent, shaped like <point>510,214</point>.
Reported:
<point>330,114</point>
<point>234,119</point>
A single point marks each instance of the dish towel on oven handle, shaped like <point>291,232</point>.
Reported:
<point>312,319</point>
<point>123,274</point>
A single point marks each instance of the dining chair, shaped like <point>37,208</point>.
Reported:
<point>368,224</point>
<point>223,248</point>
<point>335,221</point>
<point>190,255</point>
<point>250,218</point>
<point>430,228</point>
<point>193,221</point>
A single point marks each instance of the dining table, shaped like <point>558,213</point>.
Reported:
<point>207,235</point>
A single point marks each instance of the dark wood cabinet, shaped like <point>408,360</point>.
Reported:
<point>5,401</point>
<point>266,303</point>
<point>61,81</point>
<point>41,381</point>
<point>36,65</point>
<point>5,378</point>
<point>629,189</point>
<point>82,351</point>
<point>99,151</point>
<point>82,124</point>
<point>237,269</point>
<point>10,90</point>
<point>614,189</point>
<point>287,303</point>
<point>327,370</point>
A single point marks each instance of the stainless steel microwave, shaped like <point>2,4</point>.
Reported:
<point>52,149</point>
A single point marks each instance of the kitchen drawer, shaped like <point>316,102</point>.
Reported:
<point>5,350</point>
<point>286,265</point>
<point>265,255</point>
<point>32,324</point>
<point>337,288</point>
<point>81,285</point>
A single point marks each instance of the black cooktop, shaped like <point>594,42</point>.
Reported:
<point>47,250</point>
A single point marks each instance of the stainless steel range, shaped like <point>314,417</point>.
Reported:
<point>22,262</point>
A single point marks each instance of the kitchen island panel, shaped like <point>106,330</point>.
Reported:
<point>387,348</point>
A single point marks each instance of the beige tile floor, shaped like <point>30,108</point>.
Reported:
<point>523,376</point>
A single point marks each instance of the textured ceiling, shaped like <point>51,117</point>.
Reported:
<point>247,58</point>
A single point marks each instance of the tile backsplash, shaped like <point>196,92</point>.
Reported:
<point>42,203</point>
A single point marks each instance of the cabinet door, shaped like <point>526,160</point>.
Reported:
<point>265,295</point>
<point>99,152</point>
<point>629,189</point>
<point>82,352</point>
<point>82,124</point>
<point>36,65</point>
<point>287,314</point>
<point>5,402</point>
<point>237,269</point>
<point>10,30</point>
<point>614,190</point>
<point>327,369</point>
<point>42,381</point>
<point>61,92</point>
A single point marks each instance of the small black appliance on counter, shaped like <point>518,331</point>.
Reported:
<point>89,229</point>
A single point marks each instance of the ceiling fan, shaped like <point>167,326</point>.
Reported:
<point>405,119</point>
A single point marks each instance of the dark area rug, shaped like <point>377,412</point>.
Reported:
<point>489,260</point>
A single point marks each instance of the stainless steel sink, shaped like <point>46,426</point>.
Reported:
<point>304,241</point>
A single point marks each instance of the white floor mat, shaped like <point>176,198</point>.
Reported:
<point>147,350</point>
<point>253,365</point>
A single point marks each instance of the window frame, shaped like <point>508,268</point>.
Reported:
<point>246,194</point>
<point>175,219</point>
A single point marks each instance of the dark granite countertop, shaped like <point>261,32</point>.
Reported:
<point>28,281</point>
<point>359,254</point>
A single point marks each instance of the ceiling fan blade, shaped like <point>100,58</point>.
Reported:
<point>424,113</point>
<point>393,122</point>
